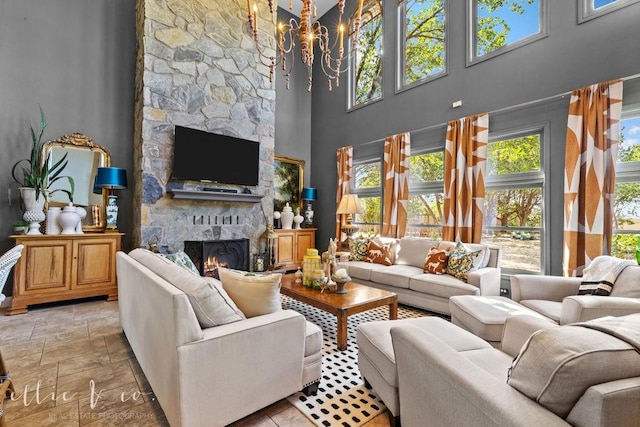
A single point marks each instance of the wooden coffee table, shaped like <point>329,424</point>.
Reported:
<point>358,298</point>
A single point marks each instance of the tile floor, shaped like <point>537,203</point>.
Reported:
<point>72,366</point>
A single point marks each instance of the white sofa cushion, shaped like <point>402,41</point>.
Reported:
<point>413,251</point>
<point>210,302</point>
<point>254,295</point>
<point>444,286</point>
<point>627,283</point>
<point>362,269</point>
<point>396,275</point>
<point>557,365</point>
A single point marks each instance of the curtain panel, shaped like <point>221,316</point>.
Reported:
<point>593,130</point>
<point>345,166</point>
<point>396,184</point>
<point>465,165</point>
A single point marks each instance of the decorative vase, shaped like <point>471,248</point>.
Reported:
<point>52,220</point>
<point>68,219</point>
<point>287,217</point>
<point>276,220</point>
<point>34,209</point>
<point>82,212</point>
<point>298,219</point>
<point>112,212</point>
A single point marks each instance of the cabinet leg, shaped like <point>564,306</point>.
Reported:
<point>112,297</point>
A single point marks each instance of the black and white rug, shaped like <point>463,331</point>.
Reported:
<point>342,398</point>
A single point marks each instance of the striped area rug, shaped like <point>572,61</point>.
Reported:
<point>342,398</point>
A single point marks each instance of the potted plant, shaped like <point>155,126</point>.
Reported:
<point>39,174</point>
<point>20,227</point>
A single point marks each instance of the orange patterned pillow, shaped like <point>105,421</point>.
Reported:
<point>378,254</point>
<point>436,261</point>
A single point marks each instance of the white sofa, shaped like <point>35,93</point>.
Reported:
<point>216,375</point>
<point>406,277</point>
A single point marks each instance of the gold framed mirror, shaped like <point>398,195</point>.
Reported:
<point>85,157</point>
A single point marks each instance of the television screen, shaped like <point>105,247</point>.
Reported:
<point>209,157</point>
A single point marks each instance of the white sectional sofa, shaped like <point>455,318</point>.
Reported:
<point>406,277</point>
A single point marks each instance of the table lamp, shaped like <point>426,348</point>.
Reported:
<point>308,195</point>
<point>349,205</point>
<point>107,179</point>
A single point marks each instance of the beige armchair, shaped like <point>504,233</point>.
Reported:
<point>557,297</point>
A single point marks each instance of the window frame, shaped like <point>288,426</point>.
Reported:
<point>526,180</point>
<point>586,11</point>
<point>472,40</point>
<point>628,171</point>
<point>431,187</point>
<point>351,83</point>
<point>368,191</point>
<point>401,29</point>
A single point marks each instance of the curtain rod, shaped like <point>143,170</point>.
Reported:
<point>501,110</point>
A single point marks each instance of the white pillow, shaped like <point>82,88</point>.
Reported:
<point>210,302</point>
<point>254,295</point>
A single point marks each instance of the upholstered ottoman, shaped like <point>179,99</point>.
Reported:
<point>485,316</point>
<point>376,359</point>
<point>312,363</point>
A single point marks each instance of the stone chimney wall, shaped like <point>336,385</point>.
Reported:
<point>197,66</point>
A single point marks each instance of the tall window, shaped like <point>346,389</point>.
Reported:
<point>500,25</point>
<point>426,195</point>
<point>589,9</point>
<point>626,226</point>
<point>513,218</point>
<point>366,70</point>
<point>422,40</point>
<point>368,186</point>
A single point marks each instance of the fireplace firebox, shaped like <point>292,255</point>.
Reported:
<point>210,254</point>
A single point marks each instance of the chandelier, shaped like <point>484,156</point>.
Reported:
<point>307,34</point>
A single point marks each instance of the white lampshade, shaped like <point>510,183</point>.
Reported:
<point>350,204</point>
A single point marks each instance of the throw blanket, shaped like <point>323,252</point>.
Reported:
<point>625,328</point>
<point>605,269</point>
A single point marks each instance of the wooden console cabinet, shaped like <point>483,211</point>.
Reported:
<point>291,246</point>
<point>63,267</point>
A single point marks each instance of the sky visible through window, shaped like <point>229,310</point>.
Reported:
<point>522,25</point>
<point>600,3</point>
<point>631,131</point>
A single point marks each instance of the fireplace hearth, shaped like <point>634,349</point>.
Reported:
<point>210,254</point>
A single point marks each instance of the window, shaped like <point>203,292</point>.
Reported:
<point>589,9</point>
<point>626,226</point>
<point>366,69</point>
<point>368,186</point>
<point>501,25</point>
<point>422,41</point>
<point>513,204</point>
<point>426,195</point>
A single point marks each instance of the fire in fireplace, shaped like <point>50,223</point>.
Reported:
<point>211,254</point>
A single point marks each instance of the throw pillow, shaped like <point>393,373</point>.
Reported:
<point>183,260</point>
<point>378,254</point>
<point>210,302</point>
<point>557,365</point>
<point>254,295</point>
<point>359,249</point>
<point>436,261</point>
<point>601,288</point>
<point>461,262</point>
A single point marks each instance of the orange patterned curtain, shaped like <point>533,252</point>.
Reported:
<point>396,184</point>
<point>345,165</point>
<point>465,164</point>
<point>593,129</point>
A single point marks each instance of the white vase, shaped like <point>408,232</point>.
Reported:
<point>82,213</point>
<point>287,217</point>
<point>34,213</point>
<point>298,219</point>
<point>112,212</point>
<point>52,220</point>
<point>68,219</point>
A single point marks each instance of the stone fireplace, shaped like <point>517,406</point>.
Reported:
<point>211,254</point>
<point>197,67</point>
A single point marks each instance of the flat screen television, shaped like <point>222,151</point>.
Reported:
<point>209,157</point>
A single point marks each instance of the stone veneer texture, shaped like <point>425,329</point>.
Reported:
<point>197,66</point>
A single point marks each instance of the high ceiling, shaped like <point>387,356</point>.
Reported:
<point>322,6</point>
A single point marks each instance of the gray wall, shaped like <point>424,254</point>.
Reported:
<point>572,56</point>
<point>76,58</point>
<point>293,111</point>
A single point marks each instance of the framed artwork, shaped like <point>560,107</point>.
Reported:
<point>288,179</point>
